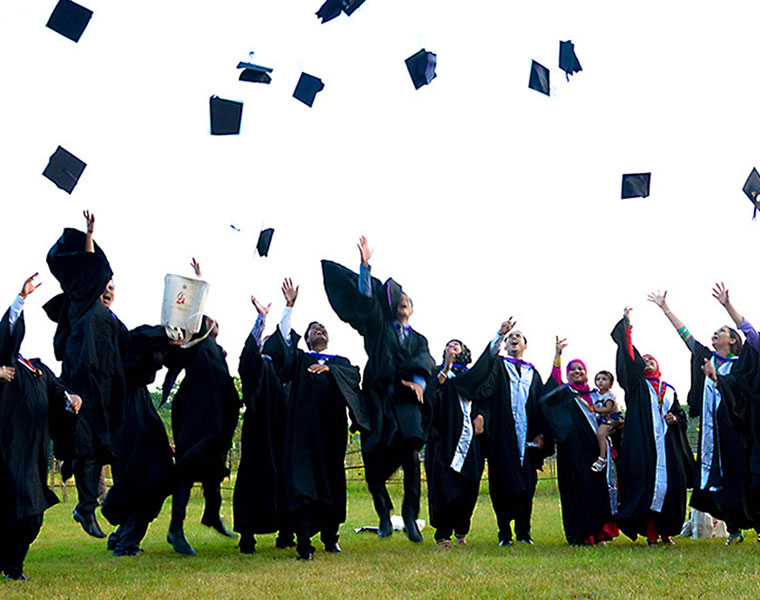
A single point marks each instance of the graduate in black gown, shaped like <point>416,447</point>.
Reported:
<point>258,500</point>
<point>324,391</point>
<point>89,339</point>
<point>589,499</point>
<point>31,400</point>
<point>655,463</point>
<point>143,470</point>
<point>718,397</point>
<point>453,458</point>
<point>398,367</point>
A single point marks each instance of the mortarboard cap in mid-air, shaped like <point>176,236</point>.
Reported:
<point>752,189</point>
<point>69,19</point>
<point>265,239</point>
<point>636,185</point>
<point>568,61</point>
<point>225,116</point>
<point>253,72</point>
<point>332,8</point>
<point>421,67</point>
<point>307,88</point>
<point>64,169</point>
<point>539,78</point>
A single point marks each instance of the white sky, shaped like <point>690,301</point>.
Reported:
<point>482,197</point>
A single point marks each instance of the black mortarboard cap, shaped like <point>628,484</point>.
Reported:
<point>421,67</point>
<point>307,88</point>
<point>636,185</point>
<point>64,169</point>
<point>568,62</point>
<point>69,19</point>
<point>265,239</point>
<point>331,9</point>
<point>254,73</point>
<point>225,116</point>
<point>752,189</point>
<point>539,78</point>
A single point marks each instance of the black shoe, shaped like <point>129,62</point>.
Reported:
<point>306,556</point>
<point>113,539</point>
<point>505,544</point>
<point>178,541</point>
<point>412,531</point>
<point>283,543</point>
<point>16,576</point>
<point>217,524</point>
<point>385,529</point>
<point>247,544</point>
<point>126,552</point>
<point>525,540</point>
<point>333,548</point>
<point>89,523</point>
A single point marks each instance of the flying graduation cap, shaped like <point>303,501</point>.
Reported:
<point>568,62</point>
<point>539,78</point>
<point>64,169</point>
<point>636,185</point>
<point>421,67</point>
<point>752,189</point>
<point>69,19</point>
<point>332,8</point>
<point>307,88</point>
<point>225,116</point>
<point>265,239</point>
<point>254,73</point>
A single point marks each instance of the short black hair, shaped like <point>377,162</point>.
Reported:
<point>306,333</point>
<point>608,374</point>
<point>736,346</point>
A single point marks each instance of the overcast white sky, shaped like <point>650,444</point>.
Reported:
<point>482,197</point>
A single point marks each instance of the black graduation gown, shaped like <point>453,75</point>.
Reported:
<point>392,408</point>
<point>27,405</point>
<point>257,500</point>
<point>447,486</point>
<point>583,494</point>
<point>508,479</point>
<point>144,469</point>
<point>316,427</point>
<point>89,339</point>
<point>205,410</point>
<point>731,503</point>
<point>637,459</point>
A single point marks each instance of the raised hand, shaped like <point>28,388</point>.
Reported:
<point>260,308</point>
<point>449,356</point>
<point>196,267</point>
<point>507,326</point>
<point>29,286</point>
<point>659,298</point>
<point>720,293</point>
<point>627,314</point>
<point>364,250</point>
<point>289,291</point>
<point>559,345</point>
<point>90,219</point>
<point>416,388</point>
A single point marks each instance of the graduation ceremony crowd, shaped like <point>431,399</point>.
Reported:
<point>616,472</point>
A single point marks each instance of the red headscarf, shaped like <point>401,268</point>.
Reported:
<point>655,378</point>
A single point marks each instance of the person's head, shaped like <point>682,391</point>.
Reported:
<point>726,341</point>
<point>404,308</point>
<point>651,366</point>
<point>516,344</point>
<point>603,381</point>
<point>462,355</point>
<point>213,326</point>
<point>108,295</point>
<point>576,372</point>
<point>316,336</point>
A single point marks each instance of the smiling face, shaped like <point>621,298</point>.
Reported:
<point>516,344</point>
<point>316,336</point>
<point>576,373</point>
<point>650,364</point>
<point>404,310</point>
<point>107,297</point>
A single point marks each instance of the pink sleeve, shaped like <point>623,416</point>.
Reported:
<point>557,374</point>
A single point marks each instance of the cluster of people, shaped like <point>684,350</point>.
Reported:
<point>615,472</point>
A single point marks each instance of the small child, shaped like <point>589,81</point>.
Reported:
<point>608,416</point>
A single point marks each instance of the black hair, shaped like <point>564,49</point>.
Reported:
<point>736,346</point>
<point>464,357</point>
<point>521,333</point>
<point>306,333</point>
<point>608,374</point>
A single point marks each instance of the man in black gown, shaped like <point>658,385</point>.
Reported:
<point>89,339</point>
<point>398,367</point>
<point>315,430</point>
<point>32,402</point>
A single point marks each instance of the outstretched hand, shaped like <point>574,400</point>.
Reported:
<point>196,267</point>
<point>507,326</point>
<point>289,291</point>
<point>260,308</point>
<point>29,286</point>
<point>709,370</point>
<point>559,345</point>
<point>720,293</point>
<point>416,388</point>
<point>364,250</point>
<point>90,219</point>
<point>659,298</point>
<point>627,314</point>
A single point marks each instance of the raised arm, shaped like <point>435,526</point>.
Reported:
<point>720,293</point>
<point>498,342</point>
<point>89,244</point>
<point>365,278</point>
<point>196,267</point>
<point>559,346</point>
<point>660,299</point>
<point>261,319</point>
<point>290,292</point>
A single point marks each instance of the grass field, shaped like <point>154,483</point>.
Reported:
<point>66,563</point>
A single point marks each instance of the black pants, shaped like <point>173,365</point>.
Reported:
<point>87,474</point>
<point>17,537</point>
<point>519,508</point>
<point>456,516</point>
<point>310,519</point>
<point>212,496</point>
<point>378,468</point>
<point>129,534</point>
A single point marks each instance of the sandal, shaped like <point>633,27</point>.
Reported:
<point>444,543</point>
<point>735,538</point>
<point>599,465</point>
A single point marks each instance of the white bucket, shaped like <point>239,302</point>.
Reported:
<point>182,309</point>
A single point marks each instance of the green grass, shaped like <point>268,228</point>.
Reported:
<point>65,563</point>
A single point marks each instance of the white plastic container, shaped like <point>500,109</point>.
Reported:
<point>182,309</point>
